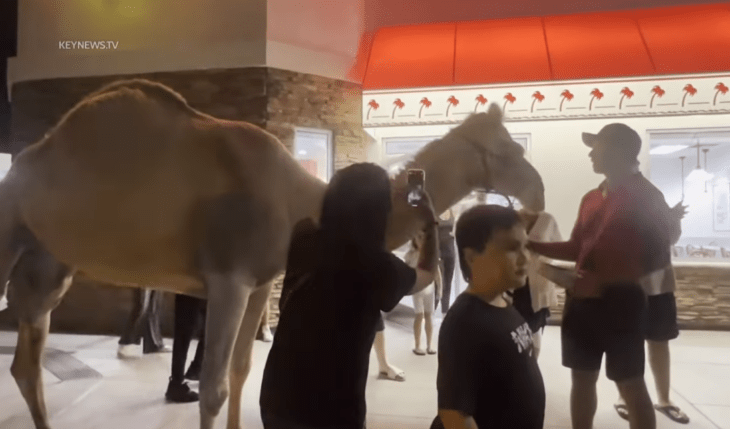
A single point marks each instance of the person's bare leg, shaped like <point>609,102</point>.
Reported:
<point>583,398</point>
<point>429,333</point>
<point>659,363</point>
<point>417,323</point>
<point>638,403</point>
<point>386,368</point>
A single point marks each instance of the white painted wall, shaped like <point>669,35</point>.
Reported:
<point>317,36</point>
<point>560,156</point>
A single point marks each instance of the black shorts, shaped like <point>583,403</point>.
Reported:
<point>522,302</point>
<point>661,317</point>
<point>612,324</point>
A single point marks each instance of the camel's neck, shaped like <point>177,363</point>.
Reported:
<point>306,195</point>
<point>449,178</point>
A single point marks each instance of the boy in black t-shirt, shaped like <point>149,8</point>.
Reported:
<point>487,377</point>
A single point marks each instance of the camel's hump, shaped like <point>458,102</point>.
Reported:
<point>154,90</point>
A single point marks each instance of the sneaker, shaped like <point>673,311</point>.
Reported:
<point>128,351</point>
<point>193,372</point>
<point>3,303</point>
<point>179,392</point>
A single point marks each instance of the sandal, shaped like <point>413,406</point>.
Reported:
<point>431,351</point>
<point>673,412</point>
<point>390,374</point>
<point>622,411</point>
<point>419,352</point>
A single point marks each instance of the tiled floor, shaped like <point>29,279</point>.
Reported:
<point>130,393</point>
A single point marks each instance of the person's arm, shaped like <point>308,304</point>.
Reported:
<point>560,250</point>
<point>452,419</point>
<point>301,258</point>
<point>427,260</point>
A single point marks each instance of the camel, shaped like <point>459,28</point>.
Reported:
<point>134,187</point>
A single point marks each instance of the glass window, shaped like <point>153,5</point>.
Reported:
<point>692,166</point>
<point>313,149</point>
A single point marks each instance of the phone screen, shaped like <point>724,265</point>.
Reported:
<point>416,184</point>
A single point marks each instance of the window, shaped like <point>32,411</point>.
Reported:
<point>706,190</point>
<point>313,149</point>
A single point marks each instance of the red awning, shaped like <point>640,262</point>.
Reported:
<point>686,39</point>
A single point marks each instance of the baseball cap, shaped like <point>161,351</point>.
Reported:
<point>618,136</point>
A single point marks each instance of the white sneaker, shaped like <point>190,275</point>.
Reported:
<point>128,351</point>
<point>3,303</point>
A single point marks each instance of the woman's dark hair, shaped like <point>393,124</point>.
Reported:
<point>476,227</point>
<point>356,207</point>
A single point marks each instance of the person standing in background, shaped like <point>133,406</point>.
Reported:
<point>143,324</point>
<point>533,301</point>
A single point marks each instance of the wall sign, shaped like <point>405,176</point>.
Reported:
<point>636,97</point>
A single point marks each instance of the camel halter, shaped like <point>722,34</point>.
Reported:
<point>484,154</point>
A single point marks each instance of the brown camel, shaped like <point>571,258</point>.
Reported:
<point>134,187</point>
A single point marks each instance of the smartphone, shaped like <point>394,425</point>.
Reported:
<point>416,186</point>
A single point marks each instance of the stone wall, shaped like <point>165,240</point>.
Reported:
<point>273,99</point>
<point>703,298</point>
<point>299,100</point>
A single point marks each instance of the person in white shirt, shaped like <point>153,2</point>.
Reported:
<point>534,299</point>
<point>424,302</point>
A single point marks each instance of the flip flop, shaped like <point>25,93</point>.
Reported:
<point>392,375</point>
<point>673,412</point>
<point>419,352</point>
<point>431,351</point>
<point>622,411</point>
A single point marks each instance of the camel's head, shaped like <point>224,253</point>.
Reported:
<point>499,164</point>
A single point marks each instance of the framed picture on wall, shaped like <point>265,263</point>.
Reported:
<point>721,206</point>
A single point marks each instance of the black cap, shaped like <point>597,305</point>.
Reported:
<point>618,136</point>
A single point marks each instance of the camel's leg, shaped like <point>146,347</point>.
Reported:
<point>243,351</point>
<point>39,282</point>
<point>227,300</point>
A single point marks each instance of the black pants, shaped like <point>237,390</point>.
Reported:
<point>144,321</point>
<point>447,274</point>
<point>189,315</point>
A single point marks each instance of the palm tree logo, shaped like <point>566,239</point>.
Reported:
<point>372,105</point>
<point>452,102</point>
<point>658,92</point>
<point>596,94</point>
<point>398,105</point>
<point>537,96</point>
<point>688,90</point>
<point>625,93</point>
<point>480,100</point>
<point>425,102</point>
<point>720,88</point>
<point>567,95</point>
<point>509,98</point>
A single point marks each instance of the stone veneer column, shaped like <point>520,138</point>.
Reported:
<point>273,99</point>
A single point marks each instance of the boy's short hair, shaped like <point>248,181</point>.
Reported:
<point>476,227</point>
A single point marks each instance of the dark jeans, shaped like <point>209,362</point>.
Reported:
<point>144,321</point>
<point>189,315</point>
<point>447,274</point>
